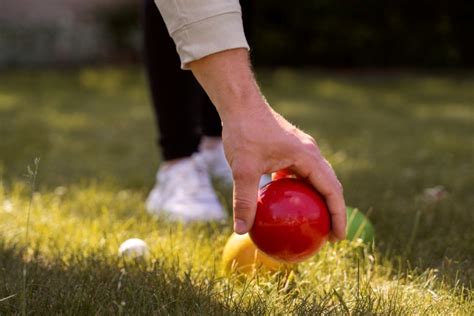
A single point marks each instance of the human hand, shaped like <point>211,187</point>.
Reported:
<point>257,140</point>
<point>264,142</point>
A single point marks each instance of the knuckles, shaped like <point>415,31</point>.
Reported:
<point>311,149</point>
<point>312,140</point>
<point>339,187</point>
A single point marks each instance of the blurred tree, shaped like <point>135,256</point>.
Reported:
<point>365,33</point>
<point>342,33</point>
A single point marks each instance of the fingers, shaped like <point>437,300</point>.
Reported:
<point>328,185</point>
<point>246,183</point>
<point>322,177</point>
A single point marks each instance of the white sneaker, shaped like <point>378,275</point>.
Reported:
<point>184,193</point>
<point>218,166</point>
<point>214,158</point>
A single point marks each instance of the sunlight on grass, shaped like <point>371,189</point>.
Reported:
<point>340,92</point>
<point>106,81</point>
<point>7,101</point>
<point>65,121</point>
<point>391,138</point>
<point>76,224</point>
<point>453,111</point>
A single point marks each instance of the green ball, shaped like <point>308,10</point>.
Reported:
<point>359,226</point>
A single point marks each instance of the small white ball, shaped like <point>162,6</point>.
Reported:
<point>133,248</point>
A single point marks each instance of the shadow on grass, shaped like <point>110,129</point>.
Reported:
<point>98,286</point>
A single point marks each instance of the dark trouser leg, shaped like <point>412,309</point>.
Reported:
<point>183,110</point>
<point>175,93</point>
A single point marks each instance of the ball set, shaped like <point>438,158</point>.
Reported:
<point>292,223</point>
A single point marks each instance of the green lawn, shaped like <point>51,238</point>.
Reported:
<point>389,137</point>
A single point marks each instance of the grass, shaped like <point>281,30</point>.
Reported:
<point>389,137</point>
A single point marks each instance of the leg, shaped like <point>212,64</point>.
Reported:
<point>175,93</point>
<point>183,190</point>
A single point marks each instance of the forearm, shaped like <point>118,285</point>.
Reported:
<point>228,79</point>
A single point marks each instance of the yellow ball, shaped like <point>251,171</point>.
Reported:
<point>241,255</point>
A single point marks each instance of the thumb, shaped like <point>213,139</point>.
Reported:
<point>245,200</point>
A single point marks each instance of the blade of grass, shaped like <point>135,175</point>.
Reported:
<point>32,176</point>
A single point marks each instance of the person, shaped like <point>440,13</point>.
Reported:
<point>189,126</point>
<point>214,120</point>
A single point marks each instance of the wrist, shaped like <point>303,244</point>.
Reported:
<point>241,105</point>
<point>228,79</point>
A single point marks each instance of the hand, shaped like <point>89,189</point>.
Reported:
<point>257,140</point>
<point>264,142</point>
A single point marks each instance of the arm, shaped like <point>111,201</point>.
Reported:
<point>258,140</point>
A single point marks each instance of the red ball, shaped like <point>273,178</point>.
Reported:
<point>292,221</point>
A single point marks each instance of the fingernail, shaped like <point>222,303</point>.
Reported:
<point>240,227</point>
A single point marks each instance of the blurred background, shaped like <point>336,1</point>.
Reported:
<point>364,33</point>
<point>386,87</point>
